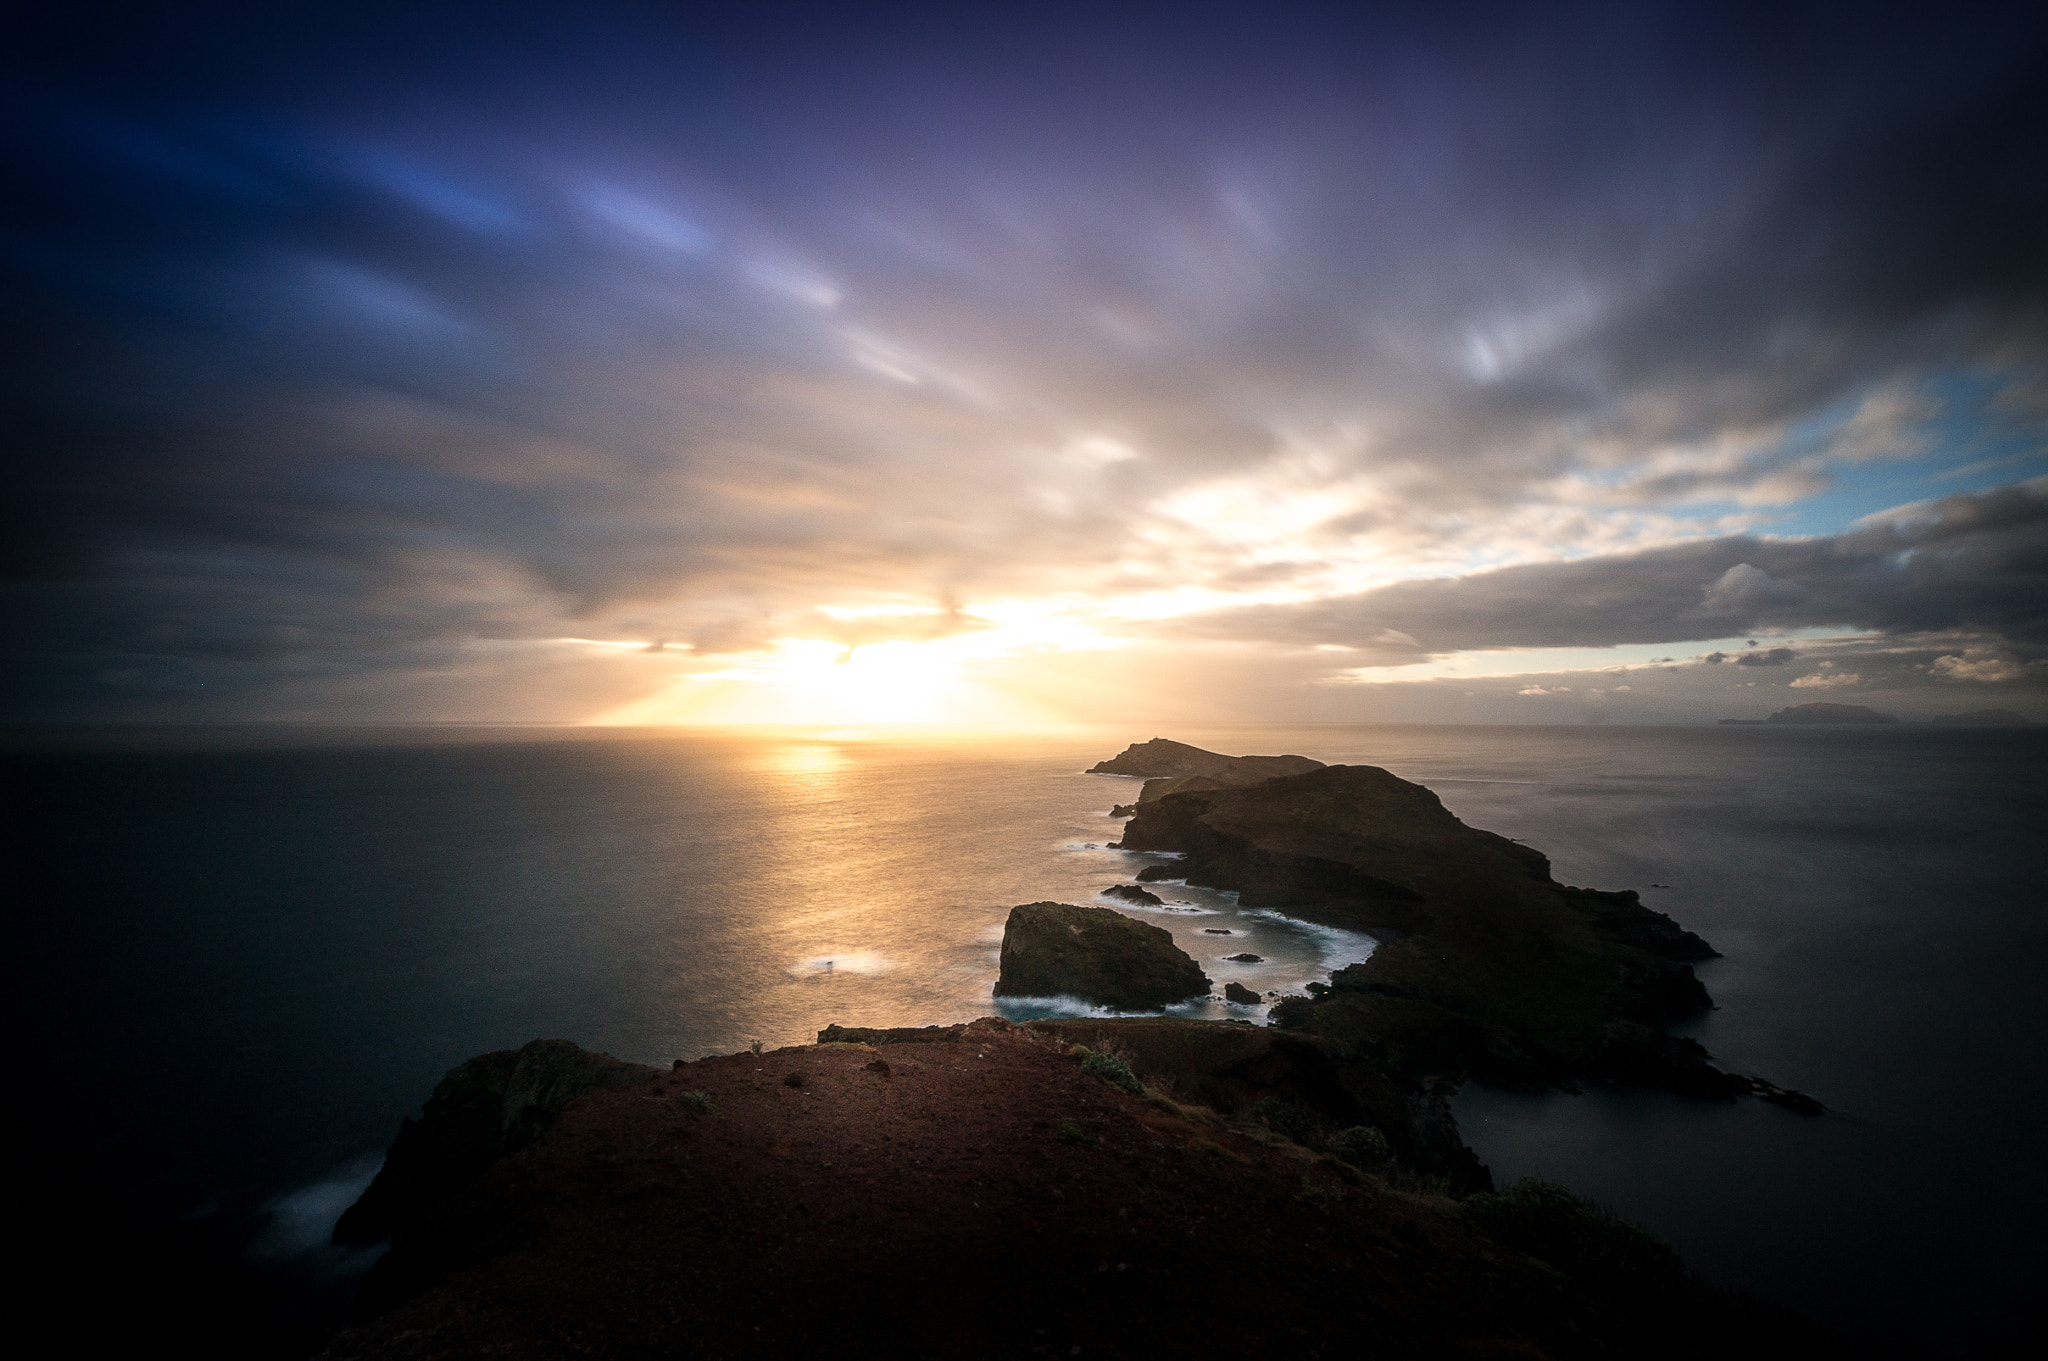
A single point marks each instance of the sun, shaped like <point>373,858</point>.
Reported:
<point>806,681</point>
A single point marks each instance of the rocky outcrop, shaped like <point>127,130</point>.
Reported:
<point>1173,767</point>
<point>1131,893</point>
<point>1488,968</point>
<point>482,1110</point>
<point>1092,953</point>
<point>1238,992</point>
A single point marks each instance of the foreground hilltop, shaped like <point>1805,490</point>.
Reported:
<point>994,1191</point>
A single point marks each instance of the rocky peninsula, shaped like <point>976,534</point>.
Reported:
<point>1123,1187</point>
<point>1489,968</point>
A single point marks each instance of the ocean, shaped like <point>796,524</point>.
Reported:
<point>242,955</point>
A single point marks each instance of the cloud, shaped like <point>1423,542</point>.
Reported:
<point>1975,560</point>
<point>1744,591</point>
<point>1977,664</point>
<point>1827,680</point>
<point>1775,656</point>
<point>724,335</point>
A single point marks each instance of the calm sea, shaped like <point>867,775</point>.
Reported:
<point>241,956</point>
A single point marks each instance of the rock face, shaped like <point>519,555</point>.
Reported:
<point>1099,956</point>
<point>1238,992</point>
<point>1493,969</point>
<point>1170,767</point>
<point>492,1105</point>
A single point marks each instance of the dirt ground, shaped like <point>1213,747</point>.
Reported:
<point>978,1197</point>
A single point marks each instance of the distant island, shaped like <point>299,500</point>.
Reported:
<point>1816,713</point>
<point>1859,714</point>
<point>1097,1186</point>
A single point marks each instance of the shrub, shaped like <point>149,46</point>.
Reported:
<point>1581,1239</point>
<point>1071,1133</point>
<point>700,1101</point>
<point>1110,1068</point>
<point>1291,1121</point>
<point>1362,1146</point>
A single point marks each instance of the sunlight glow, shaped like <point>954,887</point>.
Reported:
<point>818,681</point>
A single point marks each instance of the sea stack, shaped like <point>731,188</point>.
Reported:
<point>1096,955</point>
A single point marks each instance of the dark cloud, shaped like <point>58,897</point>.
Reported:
<point>354,348</point>
<point>1967,562</point>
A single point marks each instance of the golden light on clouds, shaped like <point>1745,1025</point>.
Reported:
<point>809,681</point>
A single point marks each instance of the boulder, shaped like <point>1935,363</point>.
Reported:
<point>1131,893</point>
<point>1099,956</point>
<point>1153,874</point>
<point>1247,958</point>
<point>1238,992</point>
<point>494,1104</point>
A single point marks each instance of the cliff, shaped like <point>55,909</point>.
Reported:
<point>992,1191</point>
<point>1489,968</point>
<point>1170,767</point>
<point>490,1106</point>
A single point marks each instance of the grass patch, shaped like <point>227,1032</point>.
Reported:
<point>1579,1238</point>
<point>1291,1121</point>
<point>696,1101</point>
<point>1216,1150</point>
<point>1112,1069</point>
<point>1362,1146</point>
<point>1321,1194</point>
<point>1343,1169</point>
<point>1071,1133</point>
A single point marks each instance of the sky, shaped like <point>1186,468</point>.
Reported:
<point>777,363</point>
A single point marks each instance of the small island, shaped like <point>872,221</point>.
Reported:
<point>1817,714</point>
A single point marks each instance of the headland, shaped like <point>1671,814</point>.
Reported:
<point>1123,1187</point>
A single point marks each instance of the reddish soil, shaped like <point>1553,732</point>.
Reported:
<point>975,1198</point>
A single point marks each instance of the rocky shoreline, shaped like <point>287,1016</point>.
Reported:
<point>1490,968</point>
<point>1063,1187</point>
